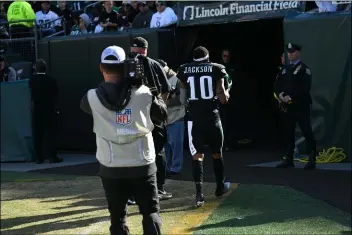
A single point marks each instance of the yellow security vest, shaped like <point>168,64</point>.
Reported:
<point>21,10</point>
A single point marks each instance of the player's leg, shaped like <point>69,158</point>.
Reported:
<point>196,147</point>
<point>216,140</point>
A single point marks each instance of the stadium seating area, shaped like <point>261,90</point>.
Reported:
<point>71,18</point>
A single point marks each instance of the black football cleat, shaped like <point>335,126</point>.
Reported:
<point>286,164</point>
<point>200,200</point>
<point>222,189</point>
<point>163,195</point>
<point>310,165</point>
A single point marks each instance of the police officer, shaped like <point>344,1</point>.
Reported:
<point>225,108</point>
<point>123,109</point>
<point>293,91</point>
<point>158,83</point>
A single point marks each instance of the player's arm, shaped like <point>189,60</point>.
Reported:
<point>221,93</point>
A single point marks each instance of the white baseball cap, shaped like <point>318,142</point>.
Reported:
<point>113,51</point>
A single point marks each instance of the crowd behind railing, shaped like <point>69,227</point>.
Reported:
<point>82,17</point>
<point>22,23</point>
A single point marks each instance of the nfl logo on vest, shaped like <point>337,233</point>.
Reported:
<point>124,117</point>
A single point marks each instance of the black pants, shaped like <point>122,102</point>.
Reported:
<point>145,193</point>
<point>44,133</point>
<point>160,138</point>
<point>302,116</point>
<point>224,115</point>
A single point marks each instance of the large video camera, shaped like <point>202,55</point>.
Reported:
<point>134,70</point>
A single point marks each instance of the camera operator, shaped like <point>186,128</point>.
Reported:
<point>158,83</point>
<point>123,109</point>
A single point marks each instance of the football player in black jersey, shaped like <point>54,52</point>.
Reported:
<point>204,82</point>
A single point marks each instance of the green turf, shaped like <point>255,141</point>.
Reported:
<point>263,209</point>
<point>12,176</point>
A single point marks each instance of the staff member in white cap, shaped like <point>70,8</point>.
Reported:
<point>122,114</point>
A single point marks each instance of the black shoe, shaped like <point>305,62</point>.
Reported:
<point>171,173</point>
<point>56,160</point>
<point>199,200</point>
<point>39,161</point>
<point>131,202</point>
<point>310,165</point>
<point>163,195</point>
<point>222,189</point>
<point>286,163</point>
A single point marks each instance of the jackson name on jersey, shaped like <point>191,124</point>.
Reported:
<point>198,69</point>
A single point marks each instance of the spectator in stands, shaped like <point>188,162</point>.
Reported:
<point>47,20</point>
<point>36,6</point>
<point>108,19</point>
<point>326,6</point>
<point>126,13</point>
<point>143,18</point>
<point>18,11</point>
<point>7,73</point>
<point>65,12</point>
<point>151,5</point>
<point>165,16</point>
<point>78,6</point>
<point>3,33</point>
<point>134,5</point>
<point>81,25</point>
<point>3,10</point>
<point>96,13</point>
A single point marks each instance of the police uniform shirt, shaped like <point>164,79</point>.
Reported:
<point>296,81</point>
<point>200,80</point>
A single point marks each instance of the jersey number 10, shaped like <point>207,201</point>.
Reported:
<point>205,84</point>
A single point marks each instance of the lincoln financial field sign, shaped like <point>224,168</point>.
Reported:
<point>208,11</point>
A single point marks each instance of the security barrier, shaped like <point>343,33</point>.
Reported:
<point>74,63</point>
<point>16,122</point>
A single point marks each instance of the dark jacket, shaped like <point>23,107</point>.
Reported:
<point>295,81</point>
<point>44,93</point>
<point>142,20</point>
<point>158,83</point>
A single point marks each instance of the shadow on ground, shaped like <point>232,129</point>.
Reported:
<point>264,209</point>
<point>70,206</point>
<point>332,187</point>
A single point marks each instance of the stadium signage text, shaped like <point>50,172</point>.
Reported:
<point>223,9</point>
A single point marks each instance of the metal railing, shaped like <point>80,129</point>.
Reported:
<point>91,5</point>
<point>18,42</point>
<point>52,24</point>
